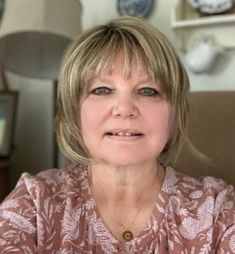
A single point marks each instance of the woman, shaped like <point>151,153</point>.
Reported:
<point>122,113</point>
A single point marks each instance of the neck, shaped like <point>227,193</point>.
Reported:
<point>124,185</point>
<point>125,196</point>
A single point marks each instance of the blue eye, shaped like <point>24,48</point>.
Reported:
<point>148,91</point>
<point>101,91</point>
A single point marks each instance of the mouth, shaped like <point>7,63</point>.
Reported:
<point>124,134</point>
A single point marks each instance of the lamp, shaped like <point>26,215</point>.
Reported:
<point>34,34</point>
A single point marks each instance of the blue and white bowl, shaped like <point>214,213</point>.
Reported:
<point>212,6</point>
<point>139,8</point>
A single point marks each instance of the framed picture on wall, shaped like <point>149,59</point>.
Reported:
<point>8,102</point>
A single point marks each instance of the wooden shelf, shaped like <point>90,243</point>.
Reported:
<point>4,173</point>
<point>187,22</point>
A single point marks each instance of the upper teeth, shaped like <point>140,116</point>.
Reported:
<point>124,133</point>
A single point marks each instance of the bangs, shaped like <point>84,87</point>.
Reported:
<point>99,49</point>
<point>104,52</point>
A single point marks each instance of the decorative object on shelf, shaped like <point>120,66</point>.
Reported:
<point>201,58</point>
<point>212,6</point>
<point>8,102</point>
<point>187,22</point>
<point>203,55</point>
<point>140,8</point>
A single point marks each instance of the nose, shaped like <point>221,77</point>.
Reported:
<point>124,106</point>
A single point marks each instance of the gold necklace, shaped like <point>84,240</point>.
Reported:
<point>127,234</point>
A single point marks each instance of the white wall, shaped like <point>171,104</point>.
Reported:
<point>34,125</point>
<point>35,112</point>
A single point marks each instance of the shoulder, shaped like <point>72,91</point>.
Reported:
<point>36,205</point>
<point>49,183</point>
<point>202,206</point>
<point>209,192</point>
<point>188,187</point>
<point>54,177</point>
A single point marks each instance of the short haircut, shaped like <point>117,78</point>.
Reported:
<point>96,49</point>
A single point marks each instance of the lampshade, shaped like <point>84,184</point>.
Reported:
<point>35,33</point>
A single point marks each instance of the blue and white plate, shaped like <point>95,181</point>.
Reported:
<point>140,8</point>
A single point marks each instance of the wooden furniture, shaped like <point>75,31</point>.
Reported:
<point>212,131</point>
<point>4,173</point>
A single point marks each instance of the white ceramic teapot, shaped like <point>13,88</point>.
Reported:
<point>202,57</point>
<point>212,6</point>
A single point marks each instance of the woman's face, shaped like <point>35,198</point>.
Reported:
<point>124,120</point>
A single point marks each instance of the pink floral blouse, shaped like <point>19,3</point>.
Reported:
<point>55,213</point>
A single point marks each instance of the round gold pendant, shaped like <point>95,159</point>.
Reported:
<point>127,235</point>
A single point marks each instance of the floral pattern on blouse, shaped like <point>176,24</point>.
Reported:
<point>54,212</point>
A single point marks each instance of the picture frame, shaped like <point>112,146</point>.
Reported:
<point>8,105</point>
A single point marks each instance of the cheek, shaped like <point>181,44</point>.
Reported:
<point>159,118</point>
<point>173,125</point>
<point>89,117</point>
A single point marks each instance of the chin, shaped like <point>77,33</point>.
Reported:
<point>125,161</point>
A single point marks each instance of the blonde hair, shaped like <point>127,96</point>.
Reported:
<point>95,50</point>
